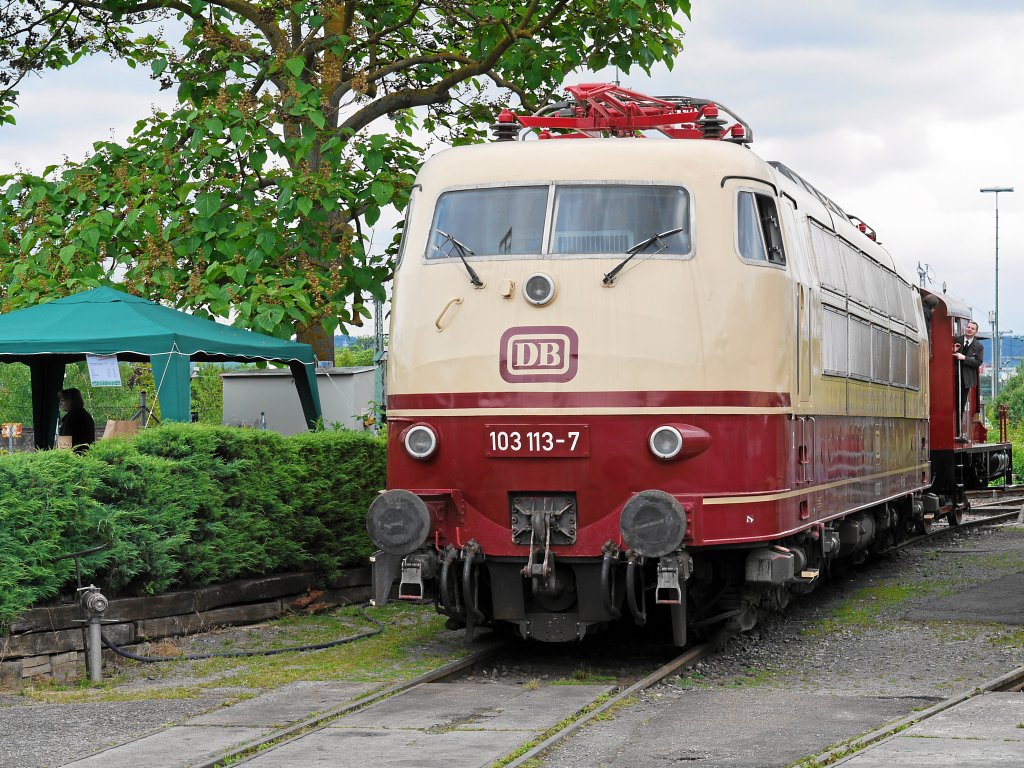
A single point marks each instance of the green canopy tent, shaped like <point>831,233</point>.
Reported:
<point>105,321</point>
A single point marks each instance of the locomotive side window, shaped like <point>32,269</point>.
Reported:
<point>856,277</point>
<point>830,265</point>
<point>911,301</point>
<point>759,234</point>
<point>879,354</point>
<point>876,286</point>
<point>898,361</point>
<point>892,295</point>
<point>495,221</point>
<point>835,342</point>
<point>610,219</point>
<point>860,349</point>
<point>913,365</point>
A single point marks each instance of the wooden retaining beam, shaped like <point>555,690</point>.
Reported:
<point>47,643</point>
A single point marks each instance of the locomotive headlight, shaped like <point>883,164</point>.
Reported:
<point>539,289</point>
<point>420,441</point>
<point>398,522</point>
<point>653,523</point>
<point>666,442</point>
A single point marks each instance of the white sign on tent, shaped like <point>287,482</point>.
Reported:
<point>103,370</point>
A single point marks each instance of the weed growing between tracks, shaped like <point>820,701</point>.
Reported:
<point>562,725</point>
<point>413,641</point>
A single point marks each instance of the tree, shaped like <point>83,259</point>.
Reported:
<point>297,121</point>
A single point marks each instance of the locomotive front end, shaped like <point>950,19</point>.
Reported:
<point>559,370</point>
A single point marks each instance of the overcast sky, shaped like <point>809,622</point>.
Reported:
<point>900,110</point>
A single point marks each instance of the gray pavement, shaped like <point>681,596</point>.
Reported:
<point>471,724</point>
<point>987,730</point>
<point>200,739</point>
<point>1000,601</point>
<point>459,725</point>
<point>723,728</point>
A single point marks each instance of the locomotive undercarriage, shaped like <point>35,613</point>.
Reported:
<point>693,591</point>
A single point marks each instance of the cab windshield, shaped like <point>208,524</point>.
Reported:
<point>598,220</point>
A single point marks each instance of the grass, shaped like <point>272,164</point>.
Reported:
<point>1010,638</point>
<point>869,607</point>
<point>585,676</point>
<point>407,646</point>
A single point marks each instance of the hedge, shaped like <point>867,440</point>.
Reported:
<point>184,506</point>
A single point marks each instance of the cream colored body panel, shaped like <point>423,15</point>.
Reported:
<point>706,323</point>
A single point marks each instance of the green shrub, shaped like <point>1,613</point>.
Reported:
<point>184,505</point>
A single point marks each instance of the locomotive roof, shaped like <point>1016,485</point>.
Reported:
<point>955,306</point>
<point>608,159</point>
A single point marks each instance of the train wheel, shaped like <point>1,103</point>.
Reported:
<point>960,505</point>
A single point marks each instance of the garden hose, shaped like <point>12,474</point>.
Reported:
<point>235,654</point>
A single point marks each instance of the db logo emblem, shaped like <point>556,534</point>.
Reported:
<point>539,353</point>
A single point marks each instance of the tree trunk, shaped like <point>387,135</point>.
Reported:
<point>321,341</point>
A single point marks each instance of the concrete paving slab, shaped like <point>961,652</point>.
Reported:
<point>725,728</point>
<point>981,731</point>
<point>337,747</point>
<point>289,704</point>
<point>494,706</point>
<point>910,752</point>
<point>177,747</point>
<point>1000,601</point>
<point>991,716</point>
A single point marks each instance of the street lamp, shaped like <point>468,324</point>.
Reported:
<point>995,322</point>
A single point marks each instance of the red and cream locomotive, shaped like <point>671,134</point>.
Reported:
<point>629,375</point>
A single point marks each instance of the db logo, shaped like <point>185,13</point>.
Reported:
<point>539,353</point>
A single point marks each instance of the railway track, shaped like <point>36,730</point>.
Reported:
<point>1012,682</point>
<point>261,751</point>
<point>987,508</point>
<point>297,730</point>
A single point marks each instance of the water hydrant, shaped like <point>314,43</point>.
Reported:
<point>93,603</point>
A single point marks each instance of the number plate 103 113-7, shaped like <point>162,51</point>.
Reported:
<point>537,440</point>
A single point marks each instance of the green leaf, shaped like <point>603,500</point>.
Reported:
<point>207,204</point>
<point>296,65</point>
<point>381,192</point>
<point>304,204</point>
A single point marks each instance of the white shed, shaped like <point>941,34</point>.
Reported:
<point>346,395</point>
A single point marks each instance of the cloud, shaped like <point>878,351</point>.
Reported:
<point>63,113</point>
<point>900,111</point>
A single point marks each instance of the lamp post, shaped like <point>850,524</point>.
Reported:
<point>995,323</point>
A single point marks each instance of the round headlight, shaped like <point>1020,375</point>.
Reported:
<point>420,441</point>
<point>653,523</point>
<point>539,289</point>
<point>666,442</point>
<point>398,522</point>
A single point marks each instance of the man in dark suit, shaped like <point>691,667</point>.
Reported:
<point>969,355</point>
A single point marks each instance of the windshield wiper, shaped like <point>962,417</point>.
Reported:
<point>639,247</point>
<point>462,250</point>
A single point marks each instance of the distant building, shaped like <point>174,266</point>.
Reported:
<point>346,395</point>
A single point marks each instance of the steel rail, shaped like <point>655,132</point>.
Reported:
<point>240,753</point>
<point>1010,682</point>
<point>689,658</point>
